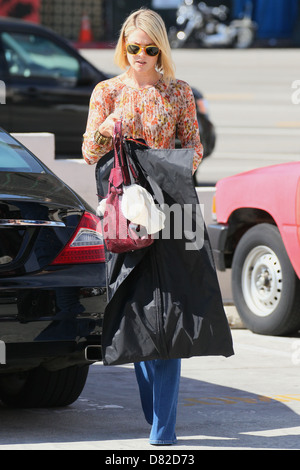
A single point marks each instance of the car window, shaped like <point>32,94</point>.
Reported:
<point>13,157</point>
<point>31,55</point>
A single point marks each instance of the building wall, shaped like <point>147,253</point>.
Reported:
<point>107,16</point>
<point>28,9</point>
<point>65,17</point>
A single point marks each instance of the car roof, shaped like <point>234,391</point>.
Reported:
<point>8,21</point>
<point>12,24</point>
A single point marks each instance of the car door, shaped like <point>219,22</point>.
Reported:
<point>45,93</point>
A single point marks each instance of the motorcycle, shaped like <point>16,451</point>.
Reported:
<point>203,26</point>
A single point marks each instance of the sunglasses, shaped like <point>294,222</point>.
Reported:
<point>135,49</point>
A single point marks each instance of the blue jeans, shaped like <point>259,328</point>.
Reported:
<point>158,383</point>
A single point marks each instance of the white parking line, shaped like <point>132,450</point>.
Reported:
<point>275,432</point>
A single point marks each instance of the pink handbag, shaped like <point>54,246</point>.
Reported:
<point>120,235</point>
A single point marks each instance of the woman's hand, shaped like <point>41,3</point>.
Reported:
<point>107,127</point>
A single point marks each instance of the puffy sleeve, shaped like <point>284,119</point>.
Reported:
<point>99,109</point>
<point>187,126</point>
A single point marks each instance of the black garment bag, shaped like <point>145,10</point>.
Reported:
<point>164,301</point>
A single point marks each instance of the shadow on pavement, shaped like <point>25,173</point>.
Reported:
<point>109,411</point>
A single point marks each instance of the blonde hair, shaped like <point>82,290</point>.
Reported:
<point>152,24</point>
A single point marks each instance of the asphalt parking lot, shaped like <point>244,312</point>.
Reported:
<point>248,401</point>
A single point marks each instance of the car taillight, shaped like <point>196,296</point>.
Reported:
<point>86,245</point>
<point>202,105</point>
<point>214,208</point>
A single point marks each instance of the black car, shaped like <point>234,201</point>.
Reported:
<point>49,84</point>
<point>52,283</point>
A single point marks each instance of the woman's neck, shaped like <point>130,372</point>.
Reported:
<point>137,80</point>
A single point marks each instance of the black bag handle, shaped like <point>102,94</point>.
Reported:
<point>120,158</point>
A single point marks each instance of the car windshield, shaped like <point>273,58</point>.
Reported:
<point>14,157</point>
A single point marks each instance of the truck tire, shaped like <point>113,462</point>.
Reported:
<point>266,290</point>
<point>41,388</point>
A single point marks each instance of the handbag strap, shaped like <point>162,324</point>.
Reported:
<point>120,160</point>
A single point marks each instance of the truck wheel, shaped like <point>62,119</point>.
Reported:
<point>266,290</point>
<point>41,388</point>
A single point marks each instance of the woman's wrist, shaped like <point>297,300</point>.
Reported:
<point>101,139</point>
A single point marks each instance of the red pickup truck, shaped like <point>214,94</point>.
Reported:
<point>257,236</point>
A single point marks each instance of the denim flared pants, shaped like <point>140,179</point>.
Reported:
<point>158,383</point>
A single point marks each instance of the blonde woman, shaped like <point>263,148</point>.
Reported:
<point>150,100</point>
<point>152,104</point>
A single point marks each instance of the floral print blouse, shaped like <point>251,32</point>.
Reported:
<point>150,113</point>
